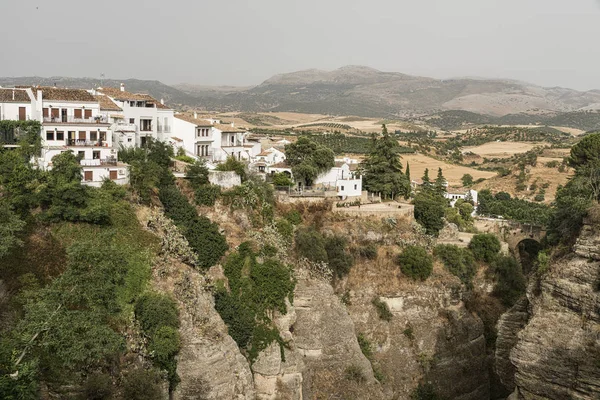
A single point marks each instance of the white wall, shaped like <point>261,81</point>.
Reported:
<point>349,187</point>
<point>99,174</point>
<point>333,175</point>
<point>10,111</point>
<point>225,179</point>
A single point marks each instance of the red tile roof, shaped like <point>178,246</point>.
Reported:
<point>14,96</point>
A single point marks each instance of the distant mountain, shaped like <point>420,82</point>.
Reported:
<point>359,91</point>
<point>156,89</point>
<point>363,91</point>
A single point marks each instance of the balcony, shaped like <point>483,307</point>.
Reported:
<point>87,143</point>
<point>99,162</point>
<point>69,119</point>
<point>125,127</point>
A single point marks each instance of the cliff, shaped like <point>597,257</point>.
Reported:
<point>557,353</point>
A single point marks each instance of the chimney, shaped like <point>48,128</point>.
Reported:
<point>232,124</point>
<point>162,101</point>
<point>122,87</point>
<point>13,94</point>
<point>39,96</point>
<point>195,115</point>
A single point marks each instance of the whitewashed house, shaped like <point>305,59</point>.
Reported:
<point>142,115</point>
<point>235,143</point>
<point>17,104</point>
<point>196,136</point>
<point>72,121</point>
<point>454,195</point>
<point>343,177</point>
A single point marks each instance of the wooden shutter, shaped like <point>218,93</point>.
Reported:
<point>55,112</point>
<point>22,114</point>
<point>88,114</point>
<point>88,175</point>
<point>45,112</point>
<point>81,135</point>
<point>113,175</point>
<point>77,113</point>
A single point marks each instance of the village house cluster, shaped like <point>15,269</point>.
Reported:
<point>95,124</point>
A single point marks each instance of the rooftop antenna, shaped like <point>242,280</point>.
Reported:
<point>102,80</point>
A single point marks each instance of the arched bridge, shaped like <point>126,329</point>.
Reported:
<point>511,232</point>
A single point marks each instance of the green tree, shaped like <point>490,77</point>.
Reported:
<point>19,181</point>
<point>231,164</point>
<point>510,281</point>
<point>407,172</point>
<point>311,244</point>
<point>340,260</point>
<point>467,180</point>
<point>382,169</point>
<point>282,179</point>
<point>10,226</point>
<point>415,262</point>
<point>440,183</point>
<point>308,159</point>
<point>485,247</point>
<point>429,211</point>
<point>197,174</point>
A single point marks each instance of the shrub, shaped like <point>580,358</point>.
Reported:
<point>294,217</point>
<point>311,245</point>
<point>154,310</point>
<point>458,261</point>
<point>206,195</point>
<point>164,346</point>
<point>510,284</point>
<point>408,332</point>
<point>140,384</point>
<point>540,197</point>
<point>429,211</point>
<point>285,229</point>
<point>185,159</point>
<point>282,179</point>
<point>552,164</point>
<point>415,263</point>
<point>485,247</point>
<point>368,251</point>
<point>425,391</point>
<point>467,180</point>
<point>231,164</point>
<point>197,174</point>
<point>382,309</point>
<point>98,386</point>
<point>365,346</point>
<point>340,261</point>
<point>354,373</point>
<point>205,239</point>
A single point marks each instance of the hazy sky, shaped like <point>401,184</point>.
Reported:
<point>236,42</point>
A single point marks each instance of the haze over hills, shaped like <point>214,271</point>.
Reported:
<point>356,90</point>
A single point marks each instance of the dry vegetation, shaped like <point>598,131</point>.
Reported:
<point>452,173</point>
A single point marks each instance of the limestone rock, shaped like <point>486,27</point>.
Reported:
<point>508,327</point>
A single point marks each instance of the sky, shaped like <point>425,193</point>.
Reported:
<point>243,42</point>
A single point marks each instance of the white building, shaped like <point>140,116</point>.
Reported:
<point>196,136</point>
<point>142,115</point>
<point>454,195</point>
<point>343,178</point>
<point>17,104</point>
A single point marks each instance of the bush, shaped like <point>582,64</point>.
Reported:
<point>415,263</point>
<point>425,391</point>
<point>311,245</point>
<point>540,197</point>
<point>282,179</point>
<point>429,211</point>
<point>552,164</point>
<point>185,159</point>
<point>197,174</point>
<point>294,217</point>
<point>340,261</point>
<point>458,261</point>
<point>164,346</point>
<point>98,386</point>
<point>485,247</point>
<point>207,195</point>
<point>154,310</point>
<point>140,384</point>
<point>205,239</point>
<point>354,373</point>
<point>365,346</point>
<point>510,284</point>
<point>231,164</point>
<point>382,309</point>
<point>467,180</point>
<point>285,229</point>
<point>368,251</point>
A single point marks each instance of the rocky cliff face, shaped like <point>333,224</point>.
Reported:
<point>557,354</point>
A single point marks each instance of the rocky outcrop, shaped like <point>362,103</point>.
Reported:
<point>557,355</point>
<point>509,325</point>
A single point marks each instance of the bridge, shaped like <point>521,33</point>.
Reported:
<point>511,232</point>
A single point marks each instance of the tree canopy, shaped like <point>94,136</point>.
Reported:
<point>382,169</point>
<point>308,159</point>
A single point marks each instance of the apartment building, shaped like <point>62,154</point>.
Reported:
<point>136,117</point>
<point>16,104</point>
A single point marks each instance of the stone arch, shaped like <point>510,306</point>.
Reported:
<point>526,252</point>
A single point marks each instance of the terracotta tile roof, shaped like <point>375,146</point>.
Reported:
<point>338,164</point>
<point>20,96</point>
<point>107,104</point>
<point>175,138</point>
<point>192,120</point>
<point>61,94</point>
<point>118,94</point>
<point>263,154</point>
<point>229,129</point>
<point>282,164</point>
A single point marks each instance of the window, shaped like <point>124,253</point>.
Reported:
<point>103,136</point>
<point>88,114</point>
<point>81,155</point>
<point>60,135</point>
<point>145,125</point>
<point>355,187</point>
<point>96,154</point>
<point>77,113</point>
<point>113,175</point>
<point>132,104</point>
<point>132,120</point>
<point>82,136</point>
<point>342,188</point>
<point>93,136</point>
<point>49,135</point>
<point>129,140</point>
<point>88,176</point>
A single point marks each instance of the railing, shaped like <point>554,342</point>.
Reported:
<point>87,143</point>
<point>126,127</point>
<point>69,119</point>
<point>98,162</point>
